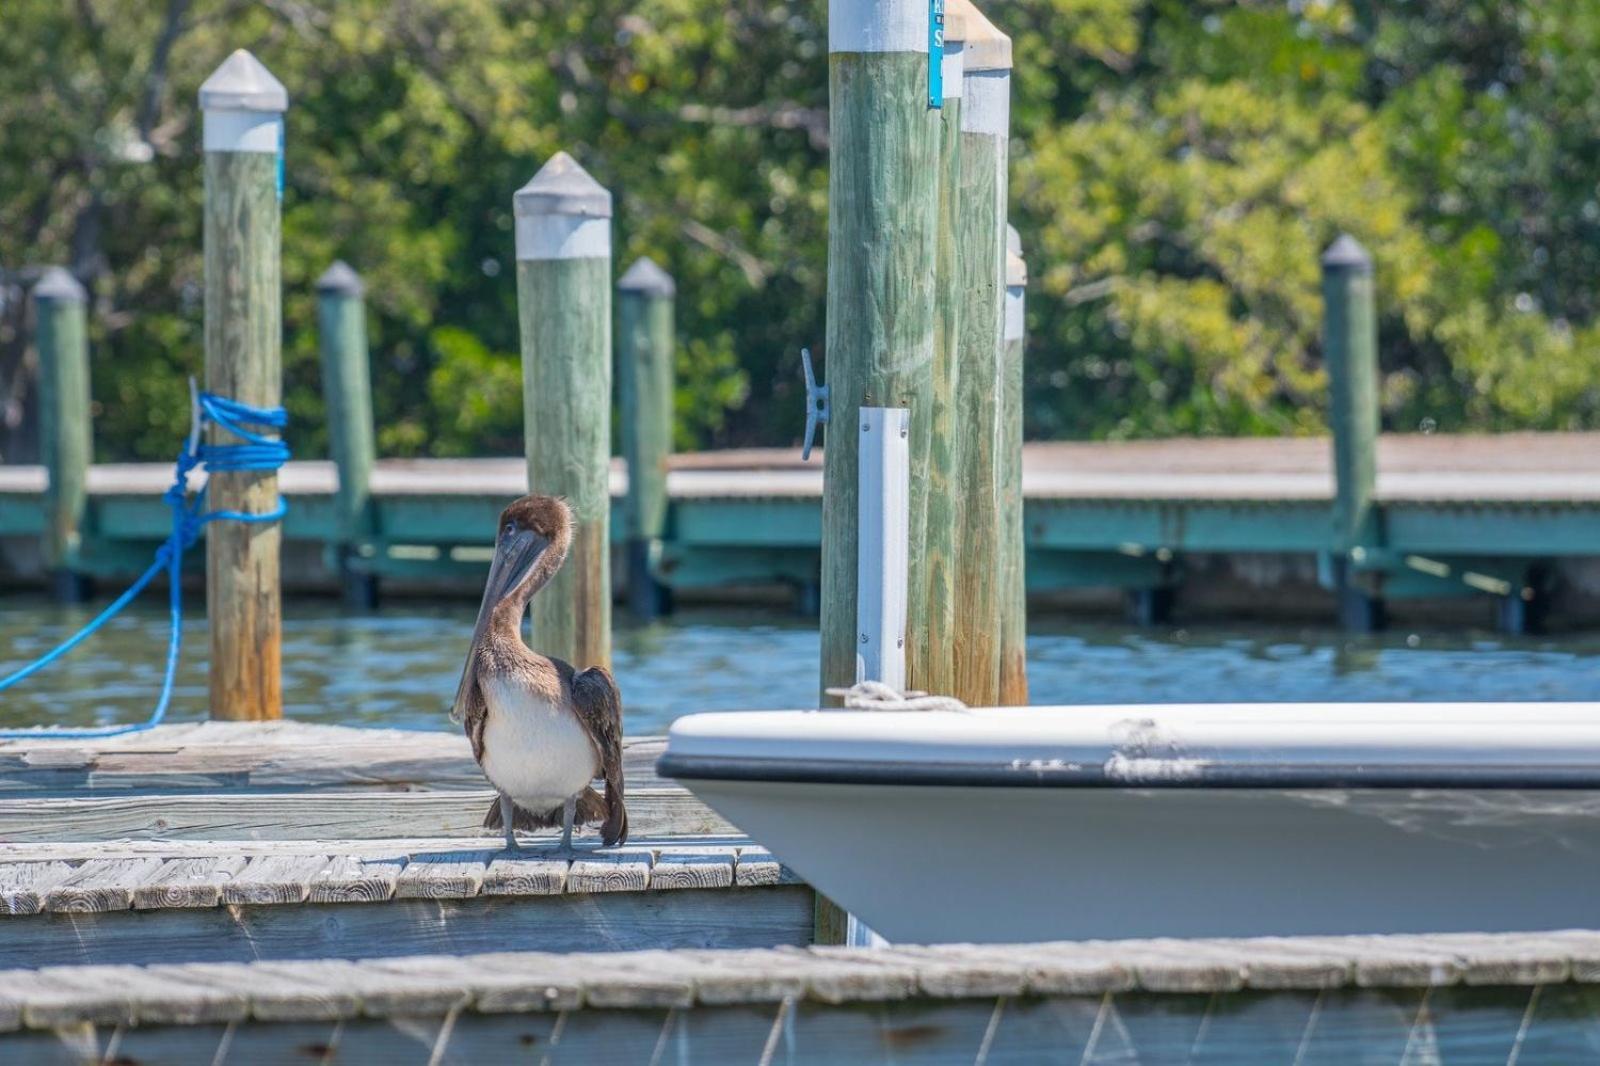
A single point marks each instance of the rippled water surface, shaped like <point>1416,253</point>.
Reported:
<point>398,667</point>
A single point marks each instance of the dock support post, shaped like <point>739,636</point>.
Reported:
<point>66,444</point>
<point>1350,346</point>
<point>882,223</point>
<point>563,239</point>
<point>981,266</point>
<point>1013,562</point>
<point>882,228</point>
<point>933,610</point>
<point>243,106</point>
<point>645,388</point>
<point>347,388</point>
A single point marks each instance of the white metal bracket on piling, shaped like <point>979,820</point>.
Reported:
<point>884,538</point>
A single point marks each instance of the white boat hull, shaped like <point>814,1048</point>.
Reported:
<point>1065,858</point>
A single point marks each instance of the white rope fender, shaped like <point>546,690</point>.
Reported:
<point>876,696</point>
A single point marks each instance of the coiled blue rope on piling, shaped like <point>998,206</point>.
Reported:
<point>259,452</point>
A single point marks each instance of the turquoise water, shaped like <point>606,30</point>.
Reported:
<point>398,666</point>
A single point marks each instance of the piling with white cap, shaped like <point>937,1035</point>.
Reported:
<point>644,391</point>
<point>243,106</point>
<point>1350,348</point>
<point>347,393</point>
<point>563,243</point>
<point>981,266</point>
<point>882,226</point>
<point>1013,564</point>
<point>65,439</point>
<point>933,605</point>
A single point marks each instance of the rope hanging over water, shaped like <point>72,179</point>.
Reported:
<point>259,452</point>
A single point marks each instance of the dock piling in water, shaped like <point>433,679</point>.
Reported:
<point>932,609</point>
<point>347,389</point>
<point>645,388</point>
<point>1013,565</point>
<point>1350,347</point>
<point>981,270</point>
<point>882,223</point>
<point>65,442</point>
<point>243,105</point>
<point>563,242</point>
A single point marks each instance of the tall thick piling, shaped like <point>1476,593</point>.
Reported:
<point>66,443</point>
<point>932,611</point>
<point>1013,551</point>
<point>645,388</point>
<point>347,390</point>
<point>980,267</point>
<point>563,236</point>
<point>882,223</point>
<point>243,105</point>
<point>1350,347</point>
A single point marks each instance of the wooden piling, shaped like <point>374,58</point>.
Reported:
<point>563,237</point>
<point>932,612</point>
<point>1350,347</point>
<point>66,444</point>
<point>1013,565</point>
<point>980,267</point>
<point>645,386</point>
<point>882,222</point>
<point>347,391</point>
<point>243,139</point>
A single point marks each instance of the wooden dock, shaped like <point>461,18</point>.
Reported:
<point>228,842</point>
<point>1461,515</point>
<point>1440,999</point>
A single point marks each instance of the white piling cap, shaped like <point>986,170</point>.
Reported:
<point>647,278</point>
<point>341,279</point>
<point>986,47</point>
<point>955,21</point>
<point>1347,253</point>
<point>1013,240</point>
<point>59,285</point>
<point>241,83</point>
<point>562,187</point>
<point>1016,271</point>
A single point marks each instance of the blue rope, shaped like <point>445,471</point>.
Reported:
<point>259,452</point>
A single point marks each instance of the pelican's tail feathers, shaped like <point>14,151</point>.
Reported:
<point>526,820</point>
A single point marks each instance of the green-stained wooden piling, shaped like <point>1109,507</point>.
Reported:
<point>1350,346</point>
<point>980,267</point>
<point>66,443</point>
<point>563,235</point>
<point>243,139</point>
<point>882,223</point>
<point>645,385</point>
<point>347,391</point>
<point>1013,565</point>
<point>932,611</point>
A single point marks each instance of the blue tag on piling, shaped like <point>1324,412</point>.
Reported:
<point>936,53</point>
<point>280,160</point>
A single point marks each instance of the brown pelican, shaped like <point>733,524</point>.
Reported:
<point>541,731</point>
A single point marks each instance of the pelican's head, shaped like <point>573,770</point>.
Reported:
<point>535,533</point>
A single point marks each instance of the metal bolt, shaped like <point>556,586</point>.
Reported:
<point>863,638</point>
<point>866,428</point>
<point>900,642</point>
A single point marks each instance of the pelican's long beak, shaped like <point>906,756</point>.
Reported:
<point>514,557</point>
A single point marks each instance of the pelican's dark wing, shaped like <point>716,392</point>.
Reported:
<point>598,703</point>
<point>470,708</point>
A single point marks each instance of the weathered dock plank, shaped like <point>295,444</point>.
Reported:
<point>310,815</point>
<point>194,882</point>
<point>1090,1002</point>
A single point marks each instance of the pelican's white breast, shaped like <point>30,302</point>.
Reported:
<point>535,751</point>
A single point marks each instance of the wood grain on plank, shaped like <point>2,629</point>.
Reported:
<point>691,867</point>
<point>196,882</point>
<point>758,866</point>
<point>100,885</point>
<point>355,879</point>
<point>442,875</point>
<point>612,870</point>
<point>23,885</point>
<point>274,879</point>
<point>525,873</point>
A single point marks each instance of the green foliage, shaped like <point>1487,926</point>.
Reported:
<point>1178,167</point>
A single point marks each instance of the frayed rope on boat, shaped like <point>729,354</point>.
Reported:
<point>877,696</point>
